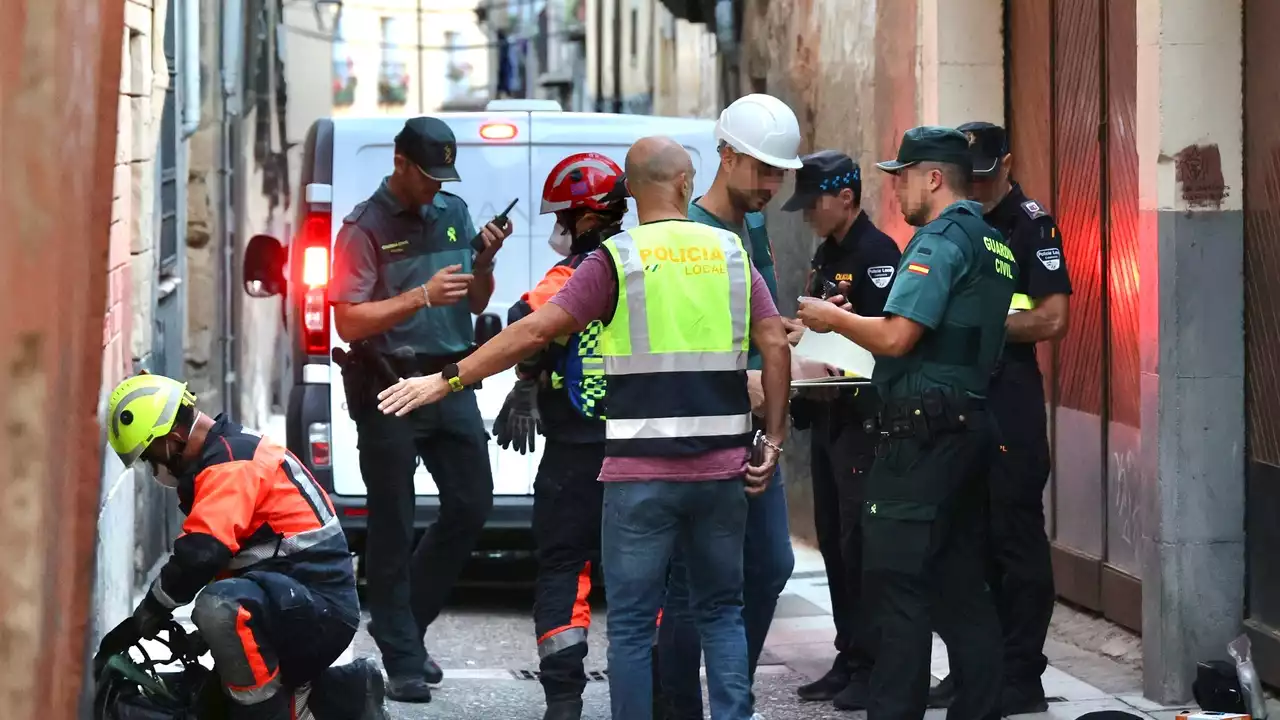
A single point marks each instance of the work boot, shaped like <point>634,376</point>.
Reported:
<point>375,690</point>
<point>434,675</point>
<point>854,695</point>
<point>828,686</point>
<point>942,694</point>
<point>1023,699</point>
<point>566,709</point>
<point>408,689</point>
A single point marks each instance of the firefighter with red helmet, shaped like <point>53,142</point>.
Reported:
<point>557,395</point>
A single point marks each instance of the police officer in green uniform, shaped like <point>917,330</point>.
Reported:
<point>858,261</point>
<point>1022,573</point>
<point>941,336</point>
<point>406,282</point>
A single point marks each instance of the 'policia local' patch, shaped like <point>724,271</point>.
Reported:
<point>918,269</point>
<point>880,275</point>
<point>1051,258</point>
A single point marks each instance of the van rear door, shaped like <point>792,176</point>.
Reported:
<point>493,162</point>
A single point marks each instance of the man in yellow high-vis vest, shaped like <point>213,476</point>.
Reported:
<point>681,304</point>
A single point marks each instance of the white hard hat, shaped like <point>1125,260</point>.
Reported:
<point>763,127</point>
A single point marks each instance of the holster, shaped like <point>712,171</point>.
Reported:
<point>359,381</point>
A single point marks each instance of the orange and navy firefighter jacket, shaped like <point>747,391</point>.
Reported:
<point>561,421</point>
<point>251,506</point>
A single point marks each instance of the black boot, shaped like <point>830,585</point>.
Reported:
<point>354,690</point>
<point>854,696</point>
<point>409,689</point>
<point>432,670</point>
<point>828,686</point>
<point>565,709</point>
<point>942,694</point>
<point>1022,699</point>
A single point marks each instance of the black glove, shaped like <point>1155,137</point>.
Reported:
<point>519,422</point>
<point>119,640</point>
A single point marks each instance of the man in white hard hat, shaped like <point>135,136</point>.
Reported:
<point>759,141</point>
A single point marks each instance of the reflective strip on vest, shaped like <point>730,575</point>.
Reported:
<point>1021,302</point>
<point>677,427</point>
<point>688,249</point>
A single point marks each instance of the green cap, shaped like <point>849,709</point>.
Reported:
<point>429,143</point>
<point>930,143</point>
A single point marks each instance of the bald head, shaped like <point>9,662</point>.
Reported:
<point>660,176</point>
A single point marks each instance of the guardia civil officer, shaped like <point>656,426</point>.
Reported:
<point>1022,576</point>
<point>407,280</point>
<point>858,258</point>
<point>935,350</point>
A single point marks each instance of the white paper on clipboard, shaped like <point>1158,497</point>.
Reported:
<point>836,350</point>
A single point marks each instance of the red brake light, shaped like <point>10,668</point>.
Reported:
<point>313,275</point>
<point>498,131</point>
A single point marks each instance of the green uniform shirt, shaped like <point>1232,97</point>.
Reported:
<point>385,249</point>
<point>756,240</point>
<point>956,279</point>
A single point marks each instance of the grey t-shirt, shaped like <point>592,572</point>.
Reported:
<point>385,249</point>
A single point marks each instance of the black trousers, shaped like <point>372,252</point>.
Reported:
<point>408,587</point>
<point>841,455</point>
<point>270,635</point>
<point>924,561</point>
<point>567,502</point>
<point>1021,572</point>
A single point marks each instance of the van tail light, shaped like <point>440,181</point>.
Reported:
<point>498,131</point>
<point>318,442</point>
<point>313,278</point>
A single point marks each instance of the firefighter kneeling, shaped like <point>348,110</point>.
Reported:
<point>558,394</point>
<point>284,605</point>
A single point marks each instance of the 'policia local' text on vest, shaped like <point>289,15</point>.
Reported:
<point>675,350</point>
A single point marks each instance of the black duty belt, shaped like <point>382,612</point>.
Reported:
<point>410,365</point>
<point>931,414</point>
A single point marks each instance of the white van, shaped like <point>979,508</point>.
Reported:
<point>505,152</point>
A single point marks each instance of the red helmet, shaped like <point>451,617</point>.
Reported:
<point>584,180</point>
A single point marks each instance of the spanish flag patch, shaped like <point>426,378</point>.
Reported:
<point>918,269</point>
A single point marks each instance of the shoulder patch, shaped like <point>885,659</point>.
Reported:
<point>356,212</point>
<point>880,275</point>
<point>1051,258</point>
<point>1033,209</point>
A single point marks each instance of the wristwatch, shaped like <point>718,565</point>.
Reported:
<point>450,374</point>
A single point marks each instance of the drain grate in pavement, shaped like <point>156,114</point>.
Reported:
<point>1055,699</point>
<point>592,676</point>
<point>808,574</point>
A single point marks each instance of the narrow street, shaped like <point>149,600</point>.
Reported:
<point>484,643</point>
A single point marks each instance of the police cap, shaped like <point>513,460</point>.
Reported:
<point>429,143</point>
<point>988,144</point>
<point>825,172</point>
<point>930,143</point>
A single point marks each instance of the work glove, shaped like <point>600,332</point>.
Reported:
<point>119,640</point>
<point>519,422</point>
<point>146,622</point>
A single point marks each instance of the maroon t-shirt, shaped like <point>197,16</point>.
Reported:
<point>591,294</point>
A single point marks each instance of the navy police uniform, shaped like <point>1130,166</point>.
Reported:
<point>1022,575</point>
<point>385,249</point>
<point>926,494</point>
<point>865,260</point>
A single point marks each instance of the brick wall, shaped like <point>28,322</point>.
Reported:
<point>127,323</point>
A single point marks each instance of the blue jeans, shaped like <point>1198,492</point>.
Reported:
<point>767,564</point>
<point>642,525</point>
